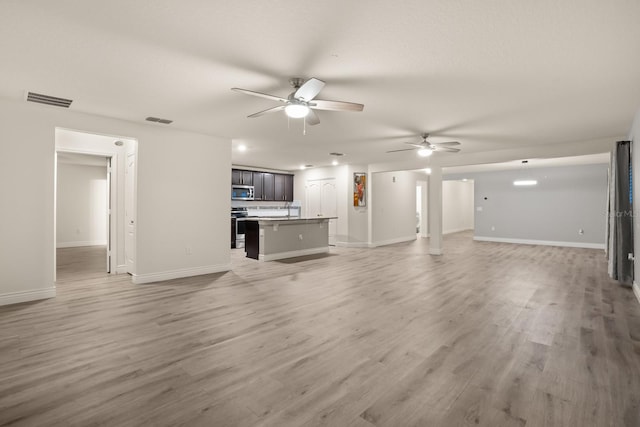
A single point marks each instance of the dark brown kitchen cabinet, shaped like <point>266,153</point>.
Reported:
<point>288,188</point>
<point>252,239</point>
<point>283,187</point>
<point>240,177</point>
<point>268,186</point>
<point>279,187</point>
<point>258,188</point>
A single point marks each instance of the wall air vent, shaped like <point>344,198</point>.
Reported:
<point>157,120</point>
<point>48,100</point>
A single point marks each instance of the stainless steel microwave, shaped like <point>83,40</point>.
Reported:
<point>242,192</point>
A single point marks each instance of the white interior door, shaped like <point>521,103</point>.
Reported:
<point>109,269</point>
<point>322,201</point>
<point>314,199</point>
<point>329,205</point>
<point>130,213</point>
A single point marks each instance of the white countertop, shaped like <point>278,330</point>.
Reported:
<point>272,220</point>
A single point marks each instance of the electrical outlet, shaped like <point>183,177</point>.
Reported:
<point>187,250</point>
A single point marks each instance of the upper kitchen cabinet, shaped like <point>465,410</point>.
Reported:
<point>284,187</point>
<point>258,188</point>
<point>241,177</point>
<point>268,186</point>
<point>288,188</point>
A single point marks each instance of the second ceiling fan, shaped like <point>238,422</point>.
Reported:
<point>301,102</point>
<point>426,148</point>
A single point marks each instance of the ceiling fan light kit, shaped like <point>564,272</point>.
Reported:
<point>425,152</point>
<point>296,111</point>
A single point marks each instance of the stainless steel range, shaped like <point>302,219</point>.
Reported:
<point>239,214</point>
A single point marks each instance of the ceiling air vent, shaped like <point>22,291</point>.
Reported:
<point>49,100</point>
<point>157,120</point>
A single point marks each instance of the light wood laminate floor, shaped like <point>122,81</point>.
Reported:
<point>488,334</point>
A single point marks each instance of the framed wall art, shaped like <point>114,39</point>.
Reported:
<point>359,189</point>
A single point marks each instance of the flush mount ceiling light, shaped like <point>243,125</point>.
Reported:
<point>525,182</point>
<point>425,152</point>
<point>334,162</point>
<point>242,147</point>
<point>296,111</point>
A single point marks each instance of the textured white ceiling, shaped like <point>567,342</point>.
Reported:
<point>495,75</point>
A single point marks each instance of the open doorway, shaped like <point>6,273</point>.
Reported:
<point>82,226</point>
<point>95,205</point>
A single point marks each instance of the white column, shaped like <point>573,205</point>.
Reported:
<point>435,211</point>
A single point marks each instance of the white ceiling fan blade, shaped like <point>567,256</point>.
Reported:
<point>260,94</point>
<point>321,104</point>
<point>312,118</point>
<point>417,145</point>
<point>267,111</point>
<point>403,149</point>
<point>309,89</point>
<point>448,149</point>
<point>446,144</point>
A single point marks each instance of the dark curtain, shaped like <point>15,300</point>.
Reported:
<point>620,243</point>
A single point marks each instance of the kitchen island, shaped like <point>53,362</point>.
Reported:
<point>268,239</point>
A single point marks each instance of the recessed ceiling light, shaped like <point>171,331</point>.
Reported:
<point>242,147</point>
<point>425,152</point>
<point>428,171</point>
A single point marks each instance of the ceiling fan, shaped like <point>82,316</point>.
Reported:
<point>301,102</point>
<point>426,148</point>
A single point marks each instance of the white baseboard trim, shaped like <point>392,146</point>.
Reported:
<point>636,290</point>
<point>82,243</point>
<point>293,254</point>
<point>178,274</point>
<point>25,296</point>
<point>352,244</point>
<point>121,269</point>
<point>392,241</point>
<point>540,242</point>
<point>456,230</point>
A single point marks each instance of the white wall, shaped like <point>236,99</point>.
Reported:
<point>393,204</point>
<point>81,205</point>
<point>182,200</point>
<point>565,200</point>
<point>457,206</point>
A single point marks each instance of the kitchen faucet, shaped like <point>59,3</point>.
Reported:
<point>288,206</point>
